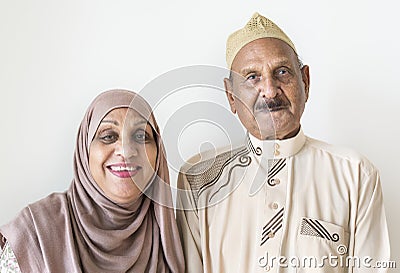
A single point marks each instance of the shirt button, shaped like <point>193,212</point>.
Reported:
<point>271,235</point>
<point>275,205</point>
<point>277,149</point>
<point>277,181</point>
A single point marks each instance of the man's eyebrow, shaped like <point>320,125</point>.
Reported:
<point>277,63</point>
<point>284,62</point>
<point>247,70</point>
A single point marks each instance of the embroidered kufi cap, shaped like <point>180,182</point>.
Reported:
<point>258,27</point>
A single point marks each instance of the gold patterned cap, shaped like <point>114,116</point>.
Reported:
<point>258,27</point>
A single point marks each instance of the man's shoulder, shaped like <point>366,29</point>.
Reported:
<point>207,166</point>
<point>204,170</point>
<point>340,152</point>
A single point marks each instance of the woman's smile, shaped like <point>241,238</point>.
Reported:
<point>124,170</point>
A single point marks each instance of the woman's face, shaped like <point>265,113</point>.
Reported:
<point>122,155</point>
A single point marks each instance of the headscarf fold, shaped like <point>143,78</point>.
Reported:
<point>82,230</point>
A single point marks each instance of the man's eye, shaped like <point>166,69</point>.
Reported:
<point>282,72</point>
<point>251,77</point>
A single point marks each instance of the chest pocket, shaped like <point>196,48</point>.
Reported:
<point>321,247</point>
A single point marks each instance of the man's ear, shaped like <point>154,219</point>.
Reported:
<point>305,74</point>
<point>229,94</point>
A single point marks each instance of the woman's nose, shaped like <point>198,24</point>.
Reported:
<point>125,149</point>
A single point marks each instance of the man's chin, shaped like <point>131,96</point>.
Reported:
<point>271,127</point>
<point>264,132</point>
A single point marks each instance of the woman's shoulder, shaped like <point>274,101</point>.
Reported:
<point>39,213</point>
<point>52,202</point>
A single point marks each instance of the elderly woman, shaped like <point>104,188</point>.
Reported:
<point>105,221</point>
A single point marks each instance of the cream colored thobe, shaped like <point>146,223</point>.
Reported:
<point>295,205</point>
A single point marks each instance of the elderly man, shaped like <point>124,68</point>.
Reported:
<point>283,202</point>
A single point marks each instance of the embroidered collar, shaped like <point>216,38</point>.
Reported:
<point>276,149</point>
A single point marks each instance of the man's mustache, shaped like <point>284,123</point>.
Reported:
<point>272,104</point>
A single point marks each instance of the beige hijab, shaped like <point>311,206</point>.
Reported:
<point>81,230</point>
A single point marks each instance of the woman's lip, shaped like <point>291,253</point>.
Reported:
<point>124,170</point>
<point>123,174</point>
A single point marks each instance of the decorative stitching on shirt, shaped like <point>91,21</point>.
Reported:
<point>245,161</point>
<point>256,151</point>
<point>206,173</point>
<point>277,166</point>
<point>315,228</point>
<point>240,154</point>
<point>273,225</point>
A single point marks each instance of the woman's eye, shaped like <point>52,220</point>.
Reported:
<point>140,136</point>
<point>109,138</point>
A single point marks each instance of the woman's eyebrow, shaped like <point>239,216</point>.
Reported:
<point>110,121</point>
<point>140,122</point>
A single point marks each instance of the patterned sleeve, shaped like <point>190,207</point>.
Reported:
<point>189,228</point>
<point>8,261</point>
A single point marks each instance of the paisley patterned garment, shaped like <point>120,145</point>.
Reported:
<point>8,261</point>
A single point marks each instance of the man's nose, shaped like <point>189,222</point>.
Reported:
<point>268,87</point>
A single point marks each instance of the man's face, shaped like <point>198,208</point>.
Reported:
<point>268,89</point>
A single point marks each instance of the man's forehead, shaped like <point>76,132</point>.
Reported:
<point>262,50</point>
<point>259,64</point>
<point>271,45</point>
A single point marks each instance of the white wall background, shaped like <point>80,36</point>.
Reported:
<point>56,56</point>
